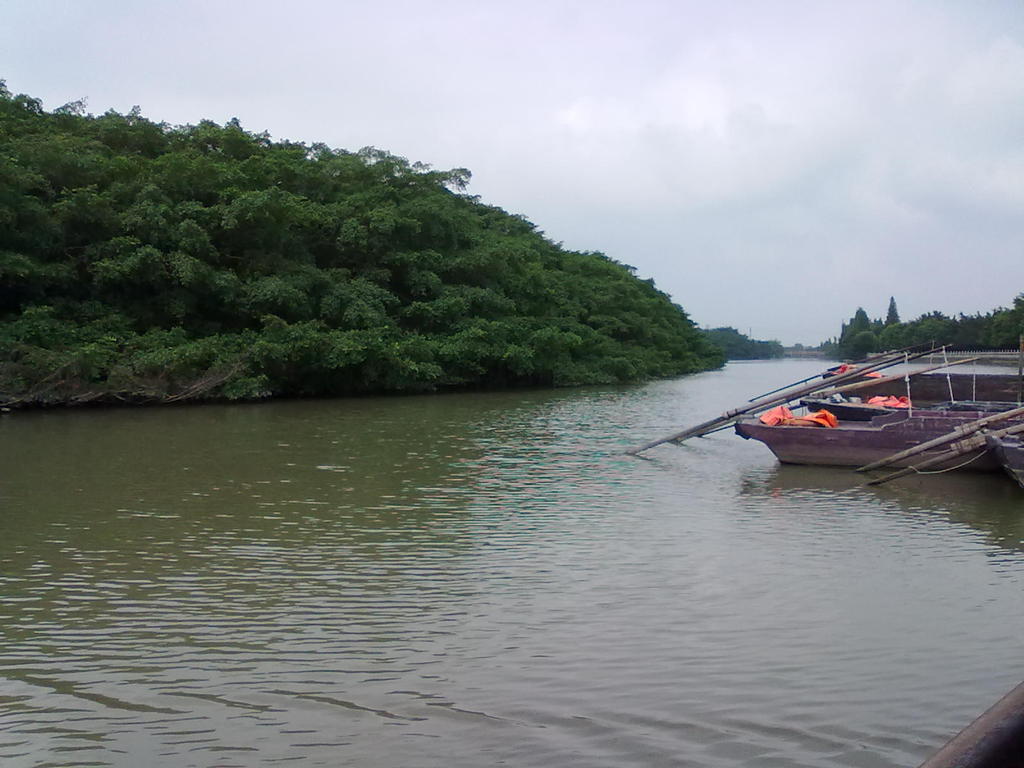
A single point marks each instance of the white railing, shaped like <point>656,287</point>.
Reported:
<point>983,354</point>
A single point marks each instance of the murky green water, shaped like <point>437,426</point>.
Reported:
<point>477,580</point>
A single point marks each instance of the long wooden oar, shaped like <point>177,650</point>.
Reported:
<point>765,403</point>
<point>890,379</point>
<point>957,449</point>
<point>962,431</point>
<point>787,386</point>
<point>867,359</point>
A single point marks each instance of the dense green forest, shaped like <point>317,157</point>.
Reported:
<point>144,262</point>
<point>739,346</point>
<point>998,329</point>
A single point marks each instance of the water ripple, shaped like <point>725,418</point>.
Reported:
<point>483,580</point>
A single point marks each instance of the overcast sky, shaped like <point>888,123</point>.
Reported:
<point>772,165</point>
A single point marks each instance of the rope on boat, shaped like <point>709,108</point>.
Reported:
<point>950,469</point>
<point>949,381</point>
<point>906,380</point>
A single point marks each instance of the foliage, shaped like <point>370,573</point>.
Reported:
<point>739,346</point>
<point>999,329</point>
<point>140,261</point>
<point>892,316</point>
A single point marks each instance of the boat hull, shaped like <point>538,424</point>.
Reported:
<point>855,444</point>
<point>1009,452</point>
<point>935,388</point>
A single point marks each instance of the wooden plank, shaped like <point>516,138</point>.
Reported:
<point>957,449</point>
<point>962,431</point>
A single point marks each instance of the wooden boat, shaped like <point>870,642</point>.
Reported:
<point>851,411</point>
<point>847,410</point>
<point>994,740</point>
<point>839,384</point>
<point>934,388</point>
<point>986,406</point>
<point>857,443</point>
<point>1009,452</point>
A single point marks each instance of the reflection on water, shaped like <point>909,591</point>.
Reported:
<point>985,502</point>
<point>484,579</point>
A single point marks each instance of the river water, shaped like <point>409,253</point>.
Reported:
<point>485,579</point>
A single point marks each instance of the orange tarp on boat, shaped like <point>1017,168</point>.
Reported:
<point>820,418</point>
<point>781,415</point>
<point>890,401</point>
<point>776,416</point>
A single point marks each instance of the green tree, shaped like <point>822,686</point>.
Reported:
<point>1006,325</point>
<point>739,346</point>
<point>140,261</point>
<point>892,317</point>
<point>853,338</point>
<point>862,344</point>
<point>1000,328</point>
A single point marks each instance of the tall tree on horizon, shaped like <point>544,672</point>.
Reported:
<point>892,317</point>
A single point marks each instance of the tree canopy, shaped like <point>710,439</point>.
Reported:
<point>739,346</point>
<point>140,261</point>
<point>999,329</point>
<point>892,316</point>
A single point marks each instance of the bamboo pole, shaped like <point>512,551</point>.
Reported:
<point>867,359</point>
<point>962,431</point>
<point>787,386</point>
<point>957,449</point>
<point>765,403</point>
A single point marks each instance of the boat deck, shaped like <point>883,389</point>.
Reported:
<point>1009,451</point>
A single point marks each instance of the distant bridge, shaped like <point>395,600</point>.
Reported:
<point>790,352</point>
